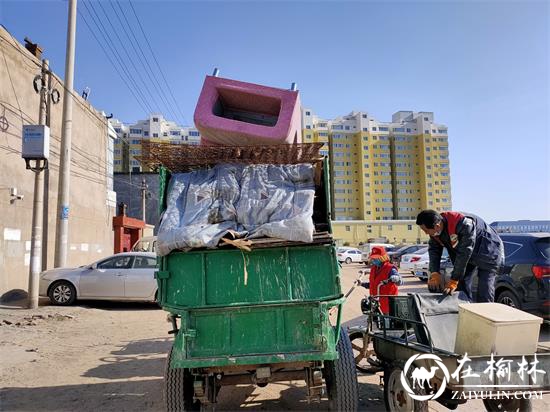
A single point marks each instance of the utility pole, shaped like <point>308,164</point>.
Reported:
<point>143,206</point>
<point>38,203</point>
<point>62,229</point>
<point>53,97</point>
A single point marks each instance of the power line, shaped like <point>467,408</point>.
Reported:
<point>36,65</point>
<point>136,70</point>
<point>98,23</point>
<point>22,113</point>
<point>150,72</point>
<point>156,60</point>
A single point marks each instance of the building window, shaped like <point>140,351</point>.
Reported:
<point>374,129</point>
<point>135,131</point>
<point>155,135</point>
<point>348,229</point>
<point>409,227</point>
<point>426,119</point>
<point>390,227</point>
<point>308,113</point>
<point>155,119</point>
<point>308,126</point>
<point>145,133</point>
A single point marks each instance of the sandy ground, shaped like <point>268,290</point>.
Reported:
<point>101,356</point>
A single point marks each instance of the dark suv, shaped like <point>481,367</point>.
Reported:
<point>524,280</point>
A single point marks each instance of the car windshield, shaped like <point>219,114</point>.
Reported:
<point>543,246</point>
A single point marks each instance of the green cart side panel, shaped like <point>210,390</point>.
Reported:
<point>186,283</point>
<point>255,334</point>
<point>266,280</point>
<point>314,273</point>
<point>217,277</point>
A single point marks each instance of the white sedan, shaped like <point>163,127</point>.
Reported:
<point>348,254</point>
<point>124,276</point>
<point>421,267</point>
<point>408,260</point>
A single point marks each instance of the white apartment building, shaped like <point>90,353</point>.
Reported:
<point>156,128</point>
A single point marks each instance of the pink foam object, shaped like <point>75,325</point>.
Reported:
<point>228,111</point>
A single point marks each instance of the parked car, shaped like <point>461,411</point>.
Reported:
<point>421,267</point>
<point>348,254</point>
<point>145,244</point>
<point>124,276</point>
<point>367,247</point>
<point>396,254</point>
<point>408,260</point>
<point>524,280</point>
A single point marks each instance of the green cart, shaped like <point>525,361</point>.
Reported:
<point>254,316</point>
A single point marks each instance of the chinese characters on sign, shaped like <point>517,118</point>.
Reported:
<point>502,368</point>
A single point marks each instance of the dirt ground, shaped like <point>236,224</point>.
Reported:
<point>100,356</point>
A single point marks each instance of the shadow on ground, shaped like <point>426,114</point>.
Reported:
<point>142,395</point>
<point>142,358</point>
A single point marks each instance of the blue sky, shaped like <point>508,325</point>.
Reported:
<point>481,67</point>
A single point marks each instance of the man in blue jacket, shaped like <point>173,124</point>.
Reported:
<point>472,245</point>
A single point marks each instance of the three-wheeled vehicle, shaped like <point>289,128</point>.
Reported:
<point>416,341</point>
<point>258,314</point>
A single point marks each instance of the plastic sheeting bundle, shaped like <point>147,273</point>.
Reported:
<point>249,200</point>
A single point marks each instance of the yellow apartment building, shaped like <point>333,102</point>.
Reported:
<point>383,171</point>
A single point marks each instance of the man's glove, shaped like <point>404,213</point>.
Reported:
<point>395,279</point>
<point>434,283</point>
<point>450,287</point>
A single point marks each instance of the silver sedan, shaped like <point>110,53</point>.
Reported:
<point>124,276</point>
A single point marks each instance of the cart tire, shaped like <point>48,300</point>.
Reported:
<point>357,341</point>
<point>396,397</point>
<point>497,405</point>
<point>178,389</point>
<point>341,377</point>
<point>348,261</point>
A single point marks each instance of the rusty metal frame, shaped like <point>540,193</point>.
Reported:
<point>180,158</point>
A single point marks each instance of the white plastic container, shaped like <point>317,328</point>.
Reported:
<point>485,328</point>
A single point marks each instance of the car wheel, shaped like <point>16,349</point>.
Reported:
<point>62,293</point>
<point>348,261</point>
<point>508,298</point>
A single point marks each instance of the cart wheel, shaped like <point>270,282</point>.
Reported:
<point>396,397</point>
<point>178,388</point>
<point>341,378</point>
<point>360,343</point>
<point>495,405</point>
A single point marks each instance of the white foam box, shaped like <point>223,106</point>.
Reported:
<point>485,328</point>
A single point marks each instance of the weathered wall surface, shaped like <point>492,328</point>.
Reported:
<point>90,220</point>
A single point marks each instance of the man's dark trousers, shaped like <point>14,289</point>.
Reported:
<point>485,283</point>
